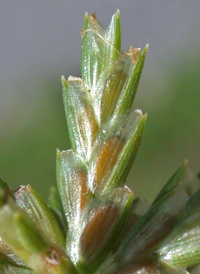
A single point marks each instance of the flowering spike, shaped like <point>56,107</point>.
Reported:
<point>81,119</point>
<point>100,51</point>
<point>176,249</point>
<point>174,182</point>
<point>106,219</point>
<point>152,227</point>
<point>29,243</point>
<point>93,225</point>
<point>40,213</point>
<point>127,97</point>
<point>183,178</point>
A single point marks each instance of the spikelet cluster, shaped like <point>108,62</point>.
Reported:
<point>93,223</point>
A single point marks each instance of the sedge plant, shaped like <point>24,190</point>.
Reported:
<point>93,223</point>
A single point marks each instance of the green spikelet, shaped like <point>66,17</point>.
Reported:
<point>94,224</point>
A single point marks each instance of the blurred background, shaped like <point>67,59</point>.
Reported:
<point>40,41</point>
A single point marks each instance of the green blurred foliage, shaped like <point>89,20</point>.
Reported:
<point>36,126</point>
